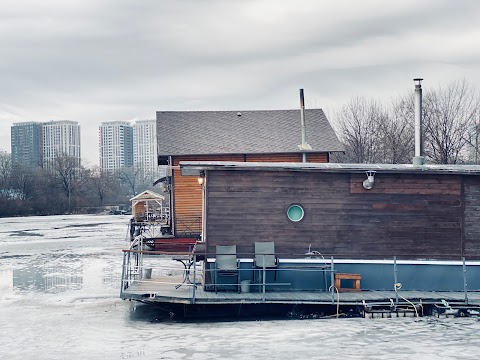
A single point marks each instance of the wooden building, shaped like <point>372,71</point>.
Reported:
<point>240,136</point>
<point>147,205</point>
<point>363,230</point>
<point>407,211</point>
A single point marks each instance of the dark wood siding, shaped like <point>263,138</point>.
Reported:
<point>409,216</point>
<point>273,158</point>
<point>472,217</point>
<point>315,158</point>
<point>188,194</point>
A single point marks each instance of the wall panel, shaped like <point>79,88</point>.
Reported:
<point>397,217</point>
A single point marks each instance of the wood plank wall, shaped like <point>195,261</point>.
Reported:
<point>472,217</point>
<point>313,158</point>
<point>188,194</point>
<point>409,216</point>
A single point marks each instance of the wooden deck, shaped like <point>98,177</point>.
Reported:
<point>153,291</point>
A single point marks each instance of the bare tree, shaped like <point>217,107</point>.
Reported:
<point>67,171</point>
<point>451,114</point>
<point>5,169</point>
<point>359,126</point>
<point>134,178</point>
<point>23,181</point>
<point>398,132</point>
<point>451,128</point>
<point>473,144</point>
<point>102,184</point>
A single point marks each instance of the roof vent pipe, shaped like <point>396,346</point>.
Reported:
<point>304,145</point>
<point>419,159</point>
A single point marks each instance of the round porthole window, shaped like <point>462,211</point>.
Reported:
<point>295,213</point>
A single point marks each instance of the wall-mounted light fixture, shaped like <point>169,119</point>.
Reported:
<point>201,178</point>
<point>368,184</point>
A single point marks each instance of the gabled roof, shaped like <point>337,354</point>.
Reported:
<point>242,132</point>
<point>148,195</point>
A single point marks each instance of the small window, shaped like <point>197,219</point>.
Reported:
<point>295,213</point>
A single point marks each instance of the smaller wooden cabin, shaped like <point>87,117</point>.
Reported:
<point>148,205</point>
<point>350,211</point>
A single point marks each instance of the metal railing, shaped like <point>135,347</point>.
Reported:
<point>139,265</point>
<point>185,272</point>
<point>188,226</point>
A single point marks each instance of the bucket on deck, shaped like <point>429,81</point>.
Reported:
<point>147,273</point>
<point>245,286</point>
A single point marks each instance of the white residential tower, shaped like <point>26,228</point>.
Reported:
<point>116,145</point>
<point>60,138</point>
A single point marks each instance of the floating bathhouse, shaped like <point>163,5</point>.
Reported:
<point>277,232</point>
<point>414,225</point>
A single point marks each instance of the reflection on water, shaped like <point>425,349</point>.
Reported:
<point>111,276</point>
<point>52,279</point>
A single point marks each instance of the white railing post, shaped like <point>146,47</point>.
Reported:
<point>332,279</point>
<point>465,280</point>
<point>194,278</point>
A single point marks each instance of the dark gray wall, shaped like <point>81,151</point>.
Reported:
<point>406,215</point>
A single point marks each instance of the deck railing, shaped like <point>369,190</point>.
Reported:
<point>182,274</point>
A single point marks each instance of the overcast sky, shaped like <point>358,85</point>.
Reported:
<point>101,60</point>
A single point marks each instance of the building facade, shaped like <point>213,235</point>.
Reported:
<point>27,144</point>
<point>116,145</point>
<point>60,138</point>
<point>233,136</point>
<point>145,149</point>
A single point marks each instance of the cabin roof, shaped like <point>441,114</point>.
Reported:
<point>243,132</point>
<point>148,195</point>
<point>194,168</point>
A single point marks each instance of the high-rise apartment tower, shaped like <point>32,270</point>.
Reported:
<point>116,145</point>
<point>145,148</point>
<point>27,144</point>
<point>60,138</point>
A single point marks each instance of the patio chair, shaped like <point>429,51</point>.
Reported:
<point>227,264</point>
<point>265,258</point>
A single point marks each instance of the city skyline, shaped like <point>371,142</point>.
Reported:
<point>121,144</point>
<point>79,61</point>
<point>37,144</point>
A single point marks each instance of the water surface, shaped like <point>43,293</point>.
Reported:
<point>59,288</point>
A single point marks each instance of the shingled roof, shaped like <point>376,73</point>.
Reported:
<point>242,132</point>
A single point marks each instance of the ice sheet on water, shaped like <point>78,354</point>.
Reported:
<point>87,320</point>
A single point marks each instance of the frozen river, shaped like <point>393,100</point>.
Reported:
<point>59,288</point>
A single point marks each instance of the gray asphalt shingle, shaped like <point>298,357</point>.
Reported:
<point>242,132</point>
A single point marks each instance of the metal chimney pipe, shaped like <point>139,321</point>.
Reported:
<point>304,131</point>
<point>419,159</point>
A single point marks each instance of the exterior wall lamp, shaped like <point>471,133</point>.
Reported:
<point>368,184</point>
<point>201,178</point>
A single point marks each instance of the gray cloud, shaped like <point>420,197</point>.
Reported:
<point>94,61</point>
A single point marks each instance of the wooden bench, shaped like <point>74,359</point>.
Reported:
<point>345,276</point>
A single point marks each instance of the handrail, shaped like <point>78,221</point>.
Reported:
<point>133,269</point>
<point>307,256</point>
<point>366,256</point>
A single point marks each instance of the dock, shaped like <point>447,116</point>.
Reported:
<point>191,300</point>
<point>179,282</point>
<point>152,291</point>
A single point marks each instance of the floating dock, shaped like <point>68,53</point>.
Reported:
<point>178,286</point>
